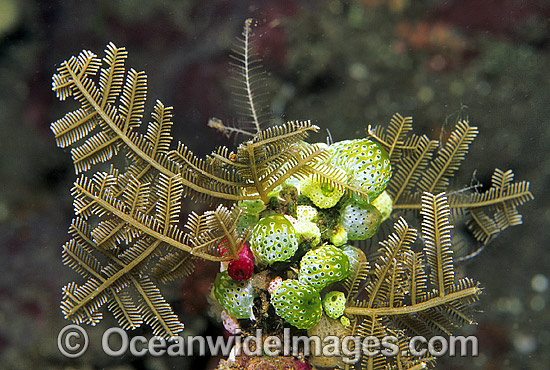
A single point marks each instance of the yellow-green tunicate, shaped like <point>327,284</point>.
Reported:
<point>334,304</point>
<point>361,221</point>
<point>273,239</point>
<point>384,204</point>
<point>366,163</point>
<point>306,213</point>
<point>253,207</point>
<point>323,266</point>
<point>339,236</point>
<point>322,195</point>
<point>297,303</point>
<point>307,231</point>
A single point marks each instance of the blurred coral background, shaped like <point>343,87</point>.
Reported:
<point>343,65</point>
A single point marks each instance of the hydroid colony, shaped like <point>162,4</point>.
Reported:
<point>284,220</point>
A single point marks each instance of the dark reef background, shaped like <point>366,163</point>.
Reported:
<point>343,65</point>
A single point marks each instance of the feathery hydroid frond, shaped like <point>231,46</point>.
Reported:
<point>393,138</point>
<point>387,285</point>
<point>448,159</point>
<point>400,289</point>
<point>248,78</point>
<point>411,168</point>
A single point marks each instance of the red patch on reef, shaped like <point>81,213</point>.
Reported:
<point>241,269</point>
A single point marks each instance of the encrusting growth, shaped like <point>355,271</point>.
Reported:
<point>286,215</point>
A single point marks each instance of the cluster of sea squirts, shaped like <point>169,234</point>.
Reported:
<point>298,247</point>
